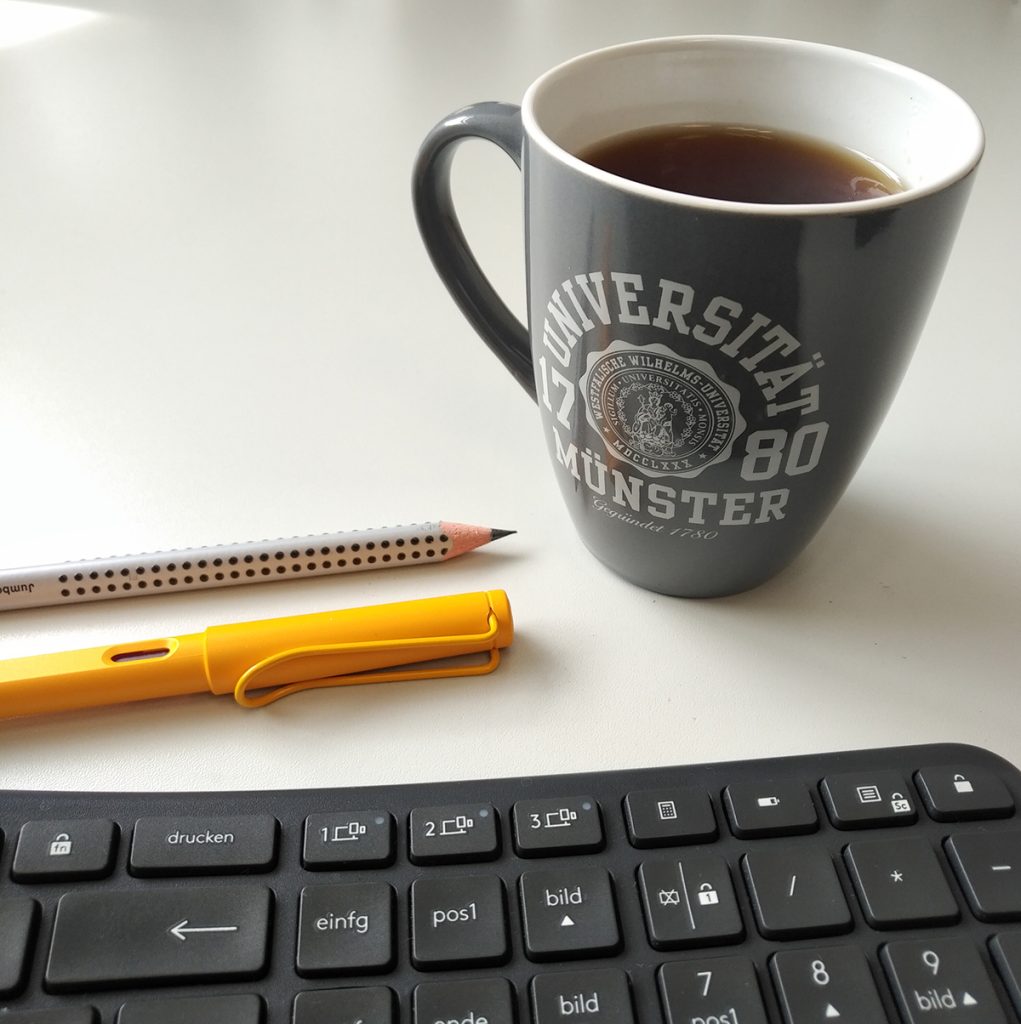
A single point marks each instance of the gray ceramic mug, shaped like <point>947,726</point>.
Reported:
<point>709,373</point>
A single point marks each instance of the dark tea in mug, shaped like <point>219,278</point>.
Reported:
<point>741,164</point>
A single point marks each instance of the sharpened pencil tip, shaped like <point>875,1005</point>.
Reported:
<point>497,534</point>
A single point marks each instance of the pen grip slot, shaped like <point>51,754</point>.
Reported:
<point>147,654</point>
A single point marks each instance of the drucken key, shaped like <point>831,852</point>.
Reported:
<point>203,846</point>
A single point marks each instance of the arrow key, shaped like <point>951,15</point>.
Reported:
<point>831,984</point>
<point>107,939</point>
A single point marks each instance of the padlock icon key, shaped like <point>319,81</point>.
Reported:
<point>898,804</point>
<point>962,785</point>
<point>61,845</point>
<point>707,895</point>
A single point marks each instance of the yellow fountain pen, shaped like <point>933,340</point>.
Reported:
<point>272,657</point>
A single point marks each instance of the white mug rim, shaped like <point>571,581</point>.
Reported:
<point>970,157</point>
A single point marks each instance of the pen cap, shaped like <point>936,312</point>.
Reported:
<point>356,640</point>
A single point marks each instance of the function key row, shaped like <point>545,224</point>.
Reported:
<point>76,849</point>
<point>59,850</point>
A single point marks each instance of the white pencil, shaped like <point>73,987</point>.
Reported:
<point>228,565</point>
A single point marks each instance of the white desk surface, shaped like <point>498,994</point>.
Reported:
<point>217,322</point>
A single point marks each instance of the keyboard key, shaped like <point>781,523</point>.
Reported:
<point>669,817</point>
<point>489,1000</point>
<point>1006,950</point>
<point>868,800</point>
<point>104,939</point>
<point>963,793</point>
<point>345,928</point>
<point>50,851</point>
<point>831,983</point>
<point>348,839</point>
<point>68,1015</point>
<point>458,920</point>
<point>900,883</point>
<point>770,808</point>
<point>721,989</point>
<point>689,901</point>
<point>547,827</point>
<point>203,846</point>
<point>242,1009</point>
<point>587,997</point>
<point>795,892</point>
<point>568,913</point>
<point>374,1005</point>
<point>18,920</point>
<point>988,866</point>
<point>453,834</point>
<point>941,980</point>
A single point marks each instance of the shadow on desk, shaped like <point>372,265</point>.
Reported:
<point>883,561</point>
<point>890,618</point>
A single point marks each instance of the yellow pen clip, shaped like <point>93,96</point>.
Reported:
<point>241,694</point>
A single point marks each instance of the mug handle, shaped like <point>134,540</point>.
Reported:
<point>498,327</point>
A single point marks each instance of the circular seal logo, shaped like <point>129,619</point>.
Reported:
<point>664,414</point>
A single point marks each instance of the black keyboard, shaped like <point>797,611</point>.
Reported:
<point>847,888</point>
